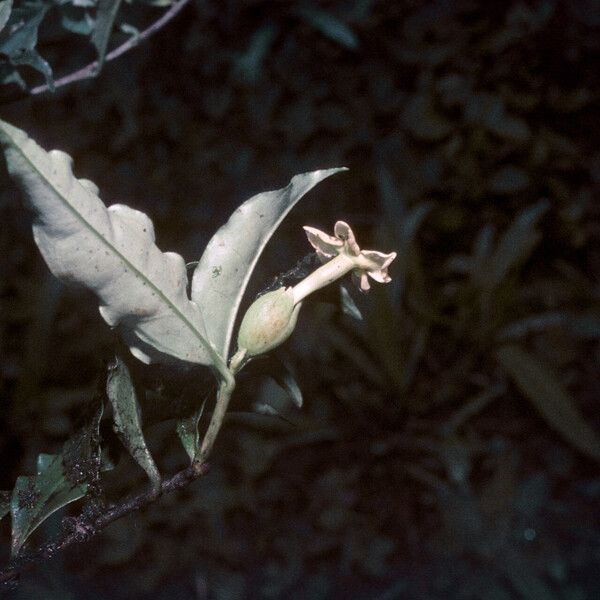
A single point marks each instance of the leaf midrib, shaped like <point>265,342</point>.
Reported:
<point>218,360</point>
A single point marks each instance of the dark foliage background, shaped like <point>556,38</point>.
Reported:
<point>434,457</point>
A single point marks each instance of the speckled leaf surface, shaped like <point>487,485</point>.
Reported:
<point>4,503</point>
<point>221,277</point>
<point>36,497</point>
<point>109,250</point>
<point>127,421</point>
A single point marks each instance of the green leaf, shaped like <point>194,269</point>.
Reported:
<point>19,38</point>
<point>187,430</point>
<point>36,497</point>
<point>105,19</point>
<point>547,394</point>
<point>5,10</point>
<point>60,479</point>
<point>330,27</point>
<point>23,31</point>
<point>221,277</point>
<point>112,252</point>
<point>130,30</point>
<point>33,59</point>
<point>127,422</point>
<point>4,503</point>
<point>76,19</point>
<point>10,75</point>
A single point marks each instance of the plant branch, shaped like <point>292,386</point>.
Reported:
<point>82,528</point>
<point>93,69</point>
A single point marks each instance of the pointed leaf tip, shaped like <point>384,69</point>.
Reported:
<point>222,275</point>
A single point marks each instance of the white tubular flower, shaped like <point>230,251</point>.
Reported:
<point>272,317</point>
<point>340,255</point>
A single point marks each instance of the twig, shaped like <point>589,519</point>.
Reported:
<point>91,70</point>
<point>81,529</point>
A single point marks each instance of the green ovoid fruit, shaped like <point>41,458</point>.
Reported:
<point>268,322</point>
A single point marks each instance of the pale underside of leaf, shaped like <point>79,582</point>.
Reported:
<point>221,277</point>
<point>111,251</point>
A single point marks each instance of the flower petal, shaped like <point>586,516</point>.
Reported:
<point>380,276</point>
<point>379,259</point>
<point>326,246</point>
<point>361,281</point>
<point>344,232</point>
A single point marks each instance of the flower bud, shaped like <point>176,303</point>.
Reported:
<point>268,322</point>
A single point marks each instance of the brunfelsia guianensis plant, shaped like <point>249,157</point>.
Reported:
<point>142,293</point>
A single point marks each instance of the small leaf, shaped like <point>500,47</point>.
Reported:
<point>77,20</point>
<point>19,38</point>
<point>10,75</point>
<point>330,27</point>
<point>60,480</point>
<point>545,391</point>
<point>127,418</point>
<point>187,430</point>
<point>221,277</point>
<point>111,251</point>
<point>36,497</point>
<point>348,305</point>
<point>23,30</point>
<point>130,30</point>
<point>33,59</point>
<point>5,10</point>
<point>4,503</point>
<point>105,19</point>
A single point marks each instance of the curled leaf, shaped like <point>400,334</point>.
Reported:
<point>127,421</point>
